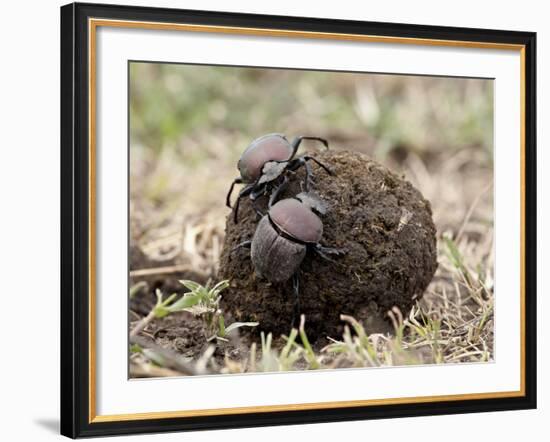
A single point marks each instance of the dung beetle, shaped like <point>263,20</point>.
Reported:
<point>265,161</point>
<point>283,237</point>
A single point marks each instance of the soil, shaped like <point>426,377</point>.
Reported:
<point>181,333</point>
<point>166,281</point>
<point>384,224</point>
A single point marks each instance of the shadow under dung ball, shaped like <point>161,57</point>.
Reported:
<point>386,228</point>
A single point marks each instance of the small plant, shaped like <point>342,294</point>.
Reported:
<point>137,288</point>
<point>151,355</point>
<point>428,328</point>
<point>455,257</point>
<point>359,349</point>
<point>362,350</point>
<point>206,304</point>
<point>309,354</point>
<point>201,301</point>
<point>273,360</point>
<point>287,358</point>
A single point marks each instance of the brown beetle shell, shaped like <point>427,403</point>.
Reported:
<point>275,258</point>
<point>273,147</point>
<point>297,220</point>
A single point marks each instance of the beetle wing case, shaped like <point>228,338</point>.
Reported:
<point>272,147</point>
<point>297,220</point>
<point>275,258</point>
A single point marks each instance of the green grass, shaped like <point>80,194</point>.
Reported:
<point>189,126</point>
<point>443,328</point>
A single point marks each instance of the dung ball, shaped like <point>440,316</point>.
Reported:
<point>383,223</point>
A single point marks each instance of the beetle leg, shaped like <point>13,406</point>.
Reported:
<point>309,176</point>
<point>257,191</point>
<point>296,288</point>
<point>259,213</point>
<point>330,250</point>
<point>228,197</point>
<point>299,162</point>
<point>275,194</point>
<point>254,195</point>
<point>244,192</point>
<point>315,160</point>
<point>298,140</point>
<point>245,244</point>
<point>323,252</point>
<point>322,255</point>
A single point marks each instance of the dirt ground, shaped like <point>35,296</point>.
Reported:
<point>383,224</point>
<point>460,305</point>
<point>436,133</point>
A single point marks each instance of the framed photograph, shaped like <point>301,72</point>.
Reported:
<point>274,220</point>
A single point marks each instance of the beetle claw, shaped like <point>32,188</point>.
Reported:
<point>324,252</point>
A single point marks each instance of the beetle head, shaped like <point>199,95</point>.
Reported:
<point>272,170</point>
<point>313,201</point>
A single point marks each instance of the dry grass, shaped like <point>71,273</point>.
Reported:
<point>453,322</point>
<point>178,217</point>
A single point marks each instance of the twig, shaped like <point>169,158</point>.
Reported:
<point>471,211</point>
<point>136,288</point>
<point>143,323</point>
<point>165,270</point>
<point>151,371</point>
<point>171,359</point>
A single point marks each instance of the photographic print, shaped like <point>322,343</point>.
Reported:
<point>274,220</point>
<point>293,220</point>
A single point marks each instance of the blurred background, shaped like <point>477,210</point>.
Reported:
<point>189,124</point>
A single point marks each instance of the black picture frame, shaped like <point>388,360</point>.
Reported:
<point>75,220</point>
